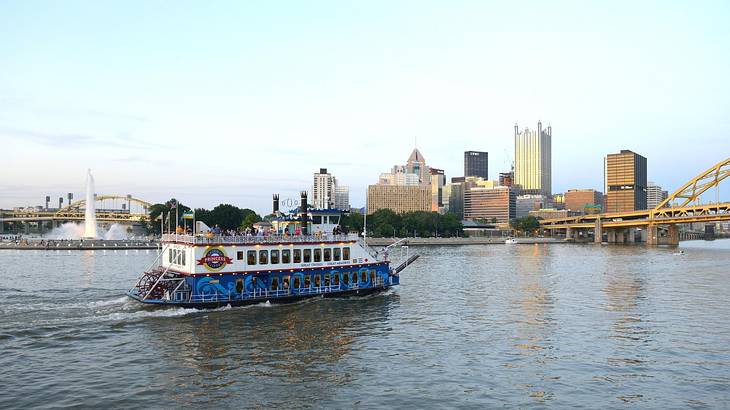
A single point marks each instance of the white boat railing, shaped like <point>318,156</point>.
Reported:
<point>253,240</point>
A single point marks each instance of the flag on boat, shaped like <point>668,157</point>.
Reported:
<point>188,215</point>
<point>173,204</point>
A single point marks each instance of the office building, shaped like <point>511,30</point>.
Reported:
<point>506,178</point>
<point>524,204</point>
<point>438,180</point>
<point>654,195</point>
<point>489,204</point>
<point>399,198</point>
<point>416,164</point>
<point>583,200</point>
<point>625,182</point>
<point>533,160</point>
<point>552,213</point>
<point>476,164</point>
<point>454,198</point>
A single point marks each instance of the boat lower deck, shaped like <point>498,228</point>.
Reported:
<point>280,297</point>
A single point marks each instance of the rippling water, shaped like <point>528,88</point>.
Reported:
<point>475,326</point>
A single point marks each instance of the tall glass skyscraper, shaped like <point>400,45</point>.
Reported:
<point>533,160</point>
<point>476,164</point>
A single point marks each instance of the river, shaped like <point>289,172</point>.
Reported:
<point>469,327</point>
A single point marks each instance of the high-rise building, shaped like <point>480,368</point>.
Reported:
<point>399,198</point>
<point>625,182</point>
<point>654,195</point>
<point>342,197</point>
<point>454,196</point>
<point>438,180</point>
<point>323,189</point>
<point>490,204</point>
<point>583,200</point>
<point>476,164</point>
<point>533,158</point>
<point>327,194</point>
<point>416,164</point>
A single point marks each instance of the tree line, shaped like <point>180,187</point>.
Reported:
<point>386,223</point>
<point>226,216</point>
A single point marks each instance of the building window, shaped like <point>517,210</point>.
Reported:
<point>345,254</point>
<point>296,282</point>
<point>251,257</point>
<point>286,256</point>
<point>274,256</point>
<point>327,254</point>
<point>307,282</point>
<point>239,255</point>
<point>337,253</point>
<point>318,255</point>
<point>274,283</point>
<point>297,256</point>
<point>263,257</point>
<point>307,255</point>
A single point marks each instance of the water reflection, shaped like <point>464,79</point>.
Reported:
<point>276,346</point>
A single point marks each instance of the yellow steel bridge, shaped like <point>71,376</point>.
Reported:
<point>682,207</point>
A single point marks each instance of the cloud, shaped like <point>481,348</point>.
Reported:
<point>74,140</point>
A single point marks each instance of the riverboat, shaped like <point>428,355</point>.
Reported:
<point>208,271</point>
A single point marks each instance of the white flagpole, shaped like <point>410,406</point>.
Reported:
<point>162,223</point>
<point>177,216</point>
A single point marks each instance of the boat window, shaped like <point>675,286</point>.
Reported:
<point>183,258</point>
<point>169,256</point>
<point>346,278</point>
<point>307,282</point>
<point>297,256</point>
<point>274,256</point>
<point>373,275</point>
<point>318,255</point>
<point>286,256</point>
<point>345,254</point>
<point>317,281</point>
<point>307,255</point>
<point>285,282</point>
<point>336,279</point>
<point>263,257</point>
<point>327,279</point>
<point>327,254</point>
<point>251,257</point>
<point>337,253</point>
<point>317,220</point>
<point>239,255</point>
<point>239,285</point>
<point>296,282</point>
<point>274,283</point>
<point>364,276</point>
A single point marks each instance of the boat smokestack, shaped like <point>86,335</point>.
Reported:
<point>303,212</point>
<point>276,204</point>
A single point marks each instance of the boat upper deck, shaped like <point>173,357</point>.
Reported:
<point>257,240</point>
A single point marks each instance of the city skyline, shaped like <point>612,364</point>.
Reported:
<point>214,95</point>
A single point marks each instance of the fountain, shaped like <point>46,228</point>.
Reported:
<point>90,214</point>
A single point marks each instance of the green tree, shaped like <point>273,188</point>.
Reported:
<point>166,211</point>
<point>250,219</point>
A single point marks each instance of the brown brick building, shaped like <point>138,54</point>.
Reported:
<point>625,175</point>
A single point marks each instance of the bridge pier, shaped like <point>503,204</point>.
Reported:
<point>631,235</point>
<point>652,235</point>
<point>598,232</point>
<point>673,235</point>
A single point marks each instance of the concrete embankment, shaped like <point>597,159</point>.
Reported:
<point>457,241</point>
<point>79,245</point>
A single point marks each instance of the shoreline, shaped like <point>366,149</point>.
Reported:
<point>459,241</point>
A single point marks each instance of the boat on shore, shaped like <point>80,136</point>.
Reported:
<point>510,241</point>
<point>307,260</point>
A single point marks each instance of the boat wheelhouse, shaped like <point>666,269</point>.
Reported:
<point>212,270</point>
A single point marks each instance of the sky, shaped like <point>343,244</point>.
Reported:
<point>229,102</point>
